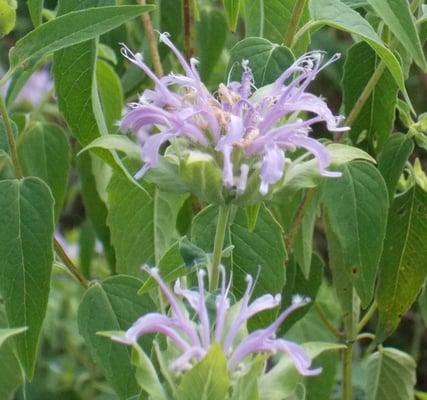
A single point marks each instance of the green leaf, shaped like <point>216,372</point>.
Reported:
<point>398,17</point>
<point>356,206</point>
<point>113,305</point>
<point>211,36</point>
<point>311,328</point>
<point>232,8</point>
<point>376,119</point>
<point>146,375</point>
<point>270,20</point>
<point>7,16</point>
<point>35,7</point>
<point>68,30</point>
<point>403,268</point>
<point>3,137</point>
<point>171,267</point>
<point>338,15</point>
<point>261,249</point>
<point>142,223</point>
<point>266,60</point>
<point>246,387</point>
<point>303,245</point>
<point>95,208</point>
<point>392,160</point>
<point>390,375</point>
<point>298,284</point>
<point>26,251</point>
<point>343,154</point>
<point>11,377</point>
<point>119,143</point>
<point>44,152</point>
<point>110,94</point>
<point>207,380</point>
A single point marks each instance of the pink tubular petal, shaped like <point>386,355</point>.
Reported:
<point>154,323</point>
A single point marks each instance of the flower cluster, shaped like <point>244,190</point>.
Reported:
<point>244,130</point>
<point>194,339</point>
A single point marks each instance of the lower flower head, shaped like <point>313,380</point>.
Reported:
<point>194,337</point>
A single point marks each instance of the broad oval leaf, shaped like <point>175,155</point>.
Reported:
<point>338,15</point>
<point>68,30</point>
<point>403,263</point>
<point>266,60</point>
<point>356,206</point>
<point>390,375</point>
<point>26,251</point>
<point>398,17</point>
<point>44,152</point>
<point>207,380</point>
<point>113,305</point>
<point>142,222</point>
<point>376,118</point>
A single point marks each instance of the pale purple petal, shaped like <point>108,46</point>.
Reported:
<point>272,166</point>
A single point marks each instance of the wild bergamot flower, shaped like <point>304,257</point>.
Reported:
<point>194,337</point>
<point>244,131</point>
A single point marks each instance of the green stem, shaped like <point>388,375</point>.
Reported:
<point>221,228</point>
<point>350,325</point>
<point>10,138</point>
<point>293,23</point>
<point>305,28</point>
<point>366,318</point>
<point>290,238</point>
<point>70,265</point>
<point>366,93</point>
<point>332,328</point>
<point>347,388</point>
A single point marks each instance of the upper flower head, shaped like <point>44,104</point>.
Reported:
<point>245,131</point>
<point>193,339</point>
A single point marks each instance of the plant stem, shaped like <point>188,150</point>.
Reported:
<point>367,316</point>
<point>293,23</point>
<point>347,388</point>
<point>10,138</point>
<point>188,28</point>
<point>366,93</point>
<point>221,228</point>
<point>334,330</point>
<point>154,51</point>
<point>350,325</point>
<point>290,238</point>
<point>69,264</point>
<point>305,28</point>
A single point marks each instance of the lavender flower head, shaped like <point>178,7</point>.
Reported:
<point>245,131</point>
<point>194,340</point>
